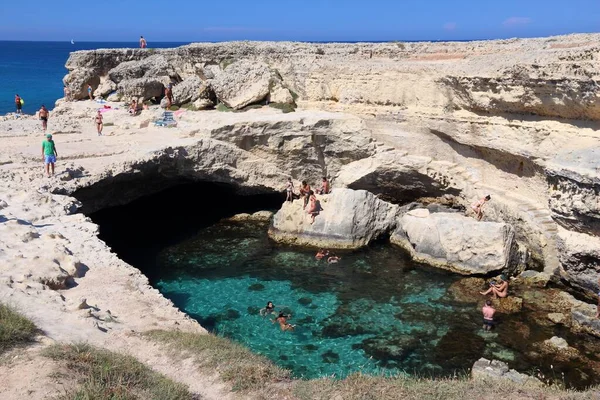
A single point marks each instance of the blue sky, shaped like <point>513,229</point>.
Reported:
<point>328,20</point>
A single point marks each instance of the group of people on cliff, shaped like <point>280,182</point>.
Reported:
<point>308,196</point>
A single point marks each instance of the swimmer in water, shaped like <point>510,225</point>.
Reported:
<point>321,254</point>
<point>283,324</point>
<point>269,309</point>
<point>333,259</point>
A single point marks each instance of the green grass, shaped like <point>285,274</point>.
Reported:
<point>102,374</point>
<point>286,108</point>
<point>234,363</point>
<point>15,329</point>
<point>222,107</point>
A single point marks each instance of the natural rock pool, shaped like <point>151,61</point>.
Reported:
<point>375,311</point>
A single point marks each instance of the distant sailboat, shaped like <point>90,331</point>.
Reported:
<point>72,41</point>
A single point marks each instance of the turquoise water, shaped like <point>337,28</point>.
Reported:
<point>372,312</point>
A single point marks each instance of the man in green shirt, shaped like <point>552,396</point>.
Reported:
<point>49,154</point>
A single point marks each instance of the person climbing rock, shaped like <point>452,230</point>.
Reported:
<point>488,315</point>
<point>477,207</point>
<point>44,114</point>
<point>498,289</point>
<point>313,208</point>
<point>49,154</point>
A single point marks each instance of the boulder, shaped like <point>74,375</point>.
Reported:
<point>348,219</point>
<point>557,343</point>
<point>243,83</point>
<point>187,90</point>
<point>78,80</point>
<point>150,67</point>
<point>533,278</point>
<point>259,216</point>
<point>281,94</point>
<point>497,370</point>
<point>579,255</point>
<point>457,243</point>
<point>105,88</point>
<point>141,89</point>
<point>557,318</point>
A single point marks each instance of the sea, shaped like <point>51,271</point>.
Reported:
<point>35,70</point>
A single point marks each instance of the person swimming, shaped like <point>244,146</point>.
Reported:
<point>321,254</point>
<point>283,324</point>
<point>268,309</point>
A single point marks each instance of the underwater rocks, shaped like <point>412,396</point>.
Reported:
<point>497,370</point>
<point>457,243</point>
<point>348,219</point>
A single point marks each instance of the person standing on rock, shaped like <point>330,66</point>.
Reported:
<point>99,123</point>
<point>143,43</point>
<point>477,207</point>
<point>169,95</point>
<point>289,190</point>
<point>313,208</point>
<point>44,114</point>
<point>19,104</point>
<point>488,315</point>
<point>49,154</point>
<point>89,90</point>
<point>67,93</point>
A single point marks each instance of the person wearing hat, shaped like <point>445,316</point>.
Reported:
<point>498,289</point>
<point>49,154</point>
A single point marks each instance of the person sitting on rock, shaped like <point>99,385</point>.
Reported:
<point>321,254</point>
<point>283,324</point>
<point>133,107</point>
<point>488,315</point>
<point>313,208</point>
<point>498,289</point>
<point>304,192</point>
<point>477,207</point>
<point>324,189</point>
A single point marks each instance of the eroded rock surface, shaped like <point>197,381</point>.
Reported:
<point>348,219</point>
<point>498,370</point>
<point>455,242</point>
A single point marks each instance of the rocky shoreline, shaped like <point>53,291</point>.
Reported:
<point>390,124</point>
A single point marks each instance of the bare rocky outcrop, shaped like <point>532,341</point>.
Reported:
<point>498,370</point>
<point>348,219</point>
<point>455,242</point>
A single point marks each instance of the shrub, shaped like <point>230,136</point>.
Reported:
<point>294,95</point>
<point>106,375</point>
<point>320,51</point>
<point>15,329</point>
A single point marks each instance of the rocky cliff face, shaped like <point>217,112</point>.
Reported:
<point>518,118</point>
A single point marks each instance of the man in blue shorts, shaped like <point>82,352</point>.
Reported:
<point>49,154</point>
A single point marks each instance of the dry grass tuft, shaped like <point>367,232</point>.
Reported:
<point>235,364</point>
<point>106,375</point>
<point>15,329</point>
